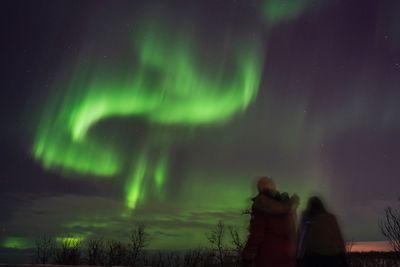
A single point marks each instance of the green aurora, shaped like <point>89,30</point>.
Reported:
<point>275,11</point>
<point>168,80</point>
<point>16,243</point>
<point>167,85</point>
<point>278,11</point>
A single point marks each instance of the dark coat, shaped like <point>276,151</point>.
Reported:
<point>321,242</point>
<point>271,240</point>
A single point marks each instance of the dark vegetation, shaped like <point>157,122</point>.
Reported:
<point>390,227</point>
<point>225,246</point>
<point>373,259</point>
<point>223,250</point>
<point>101,252</point>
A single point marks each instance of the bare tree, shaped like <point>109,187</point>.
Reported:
<point>237,242</point>
<point>167,259</point>
<point>95,251</point>
<point>174,259</point>
<point>68,252</point>
<point>216,239</point>
<point>44,248</point>
<point>158,260</point>
<point>193,258</point>
<point>139,239</point>
<point>115,253</point>
<point>200,257</point>
<point>390,227</point>
<point>349,246</point>
<point>146,260</point>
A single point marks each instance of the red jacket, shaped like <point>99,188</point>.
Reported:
<point>271,240</point>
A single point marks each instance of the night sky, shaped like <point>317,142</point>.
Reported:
<point>166,112</point>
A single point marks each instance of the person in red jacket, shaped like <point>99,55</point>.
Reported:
<point>272,231</point>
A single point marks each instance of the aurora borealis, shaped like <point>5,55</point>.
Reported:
<point>166,86</point>
<point>165,112</point>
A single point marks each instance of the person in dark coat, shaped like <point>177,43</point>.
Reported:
<point>272,231</point>
<point>320,239</point>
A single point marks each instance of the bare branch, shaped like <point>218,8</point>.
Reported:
<point>44,249</point>
<point>390,227</point>
<point>139,239</point>
<point>216,239</point>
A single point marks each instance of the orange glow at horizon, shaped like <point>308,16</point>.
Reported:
<point>367,246</point>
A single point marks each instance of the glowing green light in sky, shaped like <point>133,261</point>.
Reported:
<point>135,183</point>
<point>16,243</point>
<point>169,87</point>
<point>275,11</point>
<point>86,224</point>
<point>167,83</point>
<point>57,151</point>
<point>139,181</point>
<point>160,174</point>
<point>70,241</point>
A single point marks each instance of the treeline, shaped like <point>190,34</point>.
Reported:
<point>223,250</point>
<point>373,259</point>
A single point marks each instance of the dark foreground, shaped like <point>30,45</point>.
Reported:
<point>190,259</point>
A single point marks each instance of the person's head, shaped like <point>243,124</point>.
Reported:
<point>315,206</point>
<point>265,184</point>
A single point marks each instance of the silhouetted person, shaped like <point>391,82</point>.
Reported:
<point>272,231</point>
<point>320,240</point>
